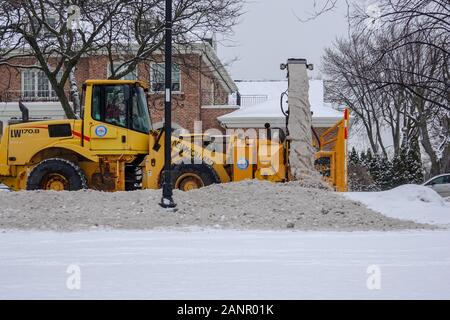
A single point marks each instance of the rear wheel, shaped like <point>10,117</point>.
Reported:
<point>56,174</point>
<point>190,177</point>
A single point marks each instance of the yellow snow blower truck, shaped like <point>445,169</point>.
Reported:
<point>113,147</point>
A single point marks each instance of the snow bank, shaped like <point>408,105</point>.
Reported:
<point>410,202</point>
<point>245,205</point>
<point>225,265</point>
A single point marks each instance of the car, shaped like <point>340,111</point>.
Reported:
<point>440,184</point>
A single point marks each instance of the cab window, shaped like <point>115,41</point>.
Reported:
<point>121,105</point>
<point>140,118</point>
<point>96,109</point>
<point>109,104</point>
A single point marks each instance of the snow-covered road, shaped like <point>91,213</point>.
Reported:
<point>224,264</point>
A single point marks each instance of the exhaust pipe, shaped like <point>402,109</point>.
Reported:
<point>25,112</point>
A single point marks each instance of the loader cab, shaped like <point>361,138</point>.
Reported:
<point>116,116</point>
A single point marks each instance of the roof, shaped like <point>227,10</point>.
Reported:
<point>144,84</point>
<point>270,111</point>
<point>271,88</point>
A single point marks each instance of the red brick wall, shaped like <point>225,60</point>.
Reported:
<point>209,117</point>
<point>9,80</point>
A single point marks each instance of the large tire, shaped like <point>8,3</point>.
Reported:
<point>56,174</point>
<point>192,176</point>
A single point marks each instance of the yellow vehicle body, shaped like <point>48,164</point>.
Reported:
<point>125,153</point>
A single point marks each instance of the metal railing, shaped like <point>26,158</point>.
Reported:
<point>248,100</point>
<point>214,98</point>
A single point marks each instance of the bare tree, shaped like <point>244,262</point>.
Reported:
<point>393,72</point>
<point>319,8</point>
<point>36,34</point>
<point>412,23</point>
<point>412,17</point>
<point>402,91</point>
<point>346,67</point>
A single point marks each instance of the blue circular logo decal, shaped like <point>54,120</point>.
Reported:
<point>242,163</point>
<point>101,131</point>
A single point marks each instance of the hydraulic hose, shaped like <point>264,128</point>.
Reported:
<point>285,112</point>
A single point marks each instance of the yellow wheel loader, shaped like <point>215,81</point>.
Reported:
<point>113,147</point>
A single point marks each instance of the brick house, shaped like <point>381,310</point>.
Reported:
<point>202,88</point>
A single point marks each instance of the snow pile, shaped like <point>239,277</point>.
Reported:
<point>245,205</point>
<point>411,202</point>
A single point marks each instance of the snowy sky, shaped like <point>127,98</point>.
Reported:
<point>270,33</point>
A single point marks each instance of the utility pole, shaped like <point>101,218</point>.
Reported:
<point>167,199</point>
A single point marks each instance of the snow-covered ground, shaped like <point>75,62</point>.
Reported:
<point>178,255</point>
<point>225,264</point>
<point>408,202</point>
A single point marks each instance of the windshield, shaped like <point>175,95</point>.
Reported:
<point>140,118</point>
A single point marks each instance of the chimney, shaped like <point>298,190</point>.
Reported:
<point>212,41</point>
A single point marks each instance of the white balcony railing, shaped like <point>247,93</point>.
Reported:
<point>251,100</point>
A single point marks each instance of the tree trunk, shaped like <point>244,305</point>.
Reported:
<point>445,156</point>
<point>75,93</point>
<point>65,103</point>
<point>426,144</point>
<point>58,87</point>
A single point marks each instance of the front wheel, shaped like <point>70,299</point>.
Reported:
<point>56,174</point>
<point>189,177</point>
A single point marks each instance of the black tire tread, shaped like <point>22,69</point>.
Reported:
<point>58,164</point>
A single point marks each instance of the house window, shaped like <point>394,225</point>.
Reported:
<point>51,21</point>
<point>118,67</point>
<point>35,84</point>
<point>158,77</point>
<point>41,29</point>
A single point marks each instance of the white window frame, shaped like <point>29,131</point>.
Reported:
<point>44,32</point>
<point>35,85</point>
<point>108,71</point>
<point>47,32</point>
<point>151,78</point>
